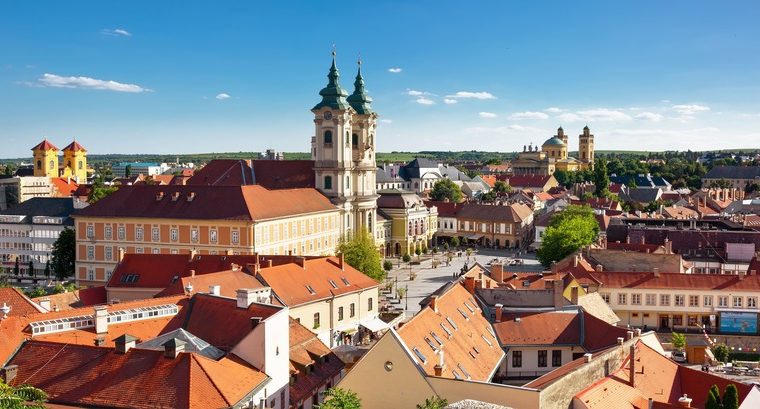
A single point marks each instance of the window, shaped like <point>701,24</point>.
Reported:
<point>707,301</point>
<point>516,359</point>
<point>173,234</point>
<point>155,234</point>
<point>542,354</point>
<point>109,252</point>
<point>90,231</point>
<point>194,235</point>
<point>664,299</point>
<point>651,299</point>
<point>751,302</point>
<point>340,313</point>
<point>556,358</point>
<point>122,233</point>
<point>316,320</point>
<point>722,301</point>
<point>606,297</point>
<point>693,301</point>
<point>212,235</point>
<point>235,237</point>
<point>90,252</point>
<point>738,302</point>
<point>328,138</point>
<point>622,299</point>
<point>138,233</point>
<point>636,299</point>
<point>108,232</point>
<point>352,310</point>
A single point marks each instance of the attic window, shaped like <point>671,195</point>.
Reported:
<point>448,332</point>
<point>464,371</point>
<point>432,345</point>
<point>419,355</point>
<point>332,283</point>
<point>472,310</point>
<point>452,323</point>
<point>345,281</point>
<point>311,290</point>
<point>464,314</point>
<point>435,337</point>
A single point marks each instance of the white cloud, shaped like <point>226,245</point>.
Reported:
<point>472,95</point>
<point>487,115</point>
<point>603,114</point>
<point>116,32</point>
<point>394,70</point>
<point>689,109</point>
<point>528,115</point>
<point>649,116</point>
<point>57,81</point>
<point>449,101</point>
<point>424,101</point>
<point>554,110</point>
<point>222,96</point>
<point>569,117</point>
<point>386,121</point>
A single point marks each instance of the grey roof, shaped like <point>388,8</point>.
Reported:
<point>46,206</point>
<point>179,336</point>
<point>733,172</point>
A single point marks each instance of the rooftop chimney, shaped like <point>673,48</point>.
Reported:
<point>101,319</point>
<point>124,343</point>
<point>173,347</point>
<point>245,297</point>
<point>433,304</point>
<point>684,401</point>
<point>498,308</point>
<point>8,373</point>
<point>215,289</point>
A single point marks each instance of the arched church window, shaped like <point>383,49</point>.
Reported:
<point>328,137</point>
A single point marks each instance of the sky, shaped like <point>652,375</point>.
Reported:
<point>227,76</point>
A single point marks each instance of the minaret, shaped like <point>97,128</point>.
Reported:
<point>363,149</point>
<point>45,159</point>
<point>332,153</point>
<point>586,147</point>
<point>75,162</point>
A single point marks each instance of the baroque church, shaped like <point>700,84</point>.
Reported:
<point>553,155</point>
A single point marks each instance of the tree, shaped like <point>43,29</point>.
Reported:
<point>678,341</point>
<point>64,254</point>
<point>30,269</point>
<point>337,398</point>
<point>568,231</point>
<point>601,178</point>
<point>713,398</point>
<point>16,269</point>
<point>433,402</point>
<point>387,265</point>
<point>720,351</point>
<point>445,189</point>
<point>731,397</point>
<point>360,253</point>
<point>21,397</point>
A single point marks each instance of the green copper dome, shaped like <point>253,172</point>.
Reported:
<point>554,141</point>
<point>333,96</point>
<point>359,100</point>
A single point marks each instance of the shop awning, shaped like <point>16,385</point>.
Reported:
<point>374,324</point>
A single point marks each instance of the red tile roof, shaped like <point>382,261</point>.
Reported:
<point>202,202</point>
<point>306,349</point>
<point>467,349</point>
<point>614,279</point>
<point>44,146</point>
<point>271,174</point>
<point>96,376</point>
<point>557,328</point>
<point>20,304</point>
<point>291,282</point>
<point>74,146</point>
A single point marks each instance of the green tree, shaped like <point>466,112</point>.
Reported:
<point>360,253</point>
<point>731,397</point>
<point>446,189</point>
<point>21,397</point>
<point>568,231</point>
<point>601,178</point>
<point>720,351</point>
<point>64,254</point>
<point>713,398</point>
<point>337,398</point>
<point>433,402</point>
<point>678,341</point>
<point>16,268</point>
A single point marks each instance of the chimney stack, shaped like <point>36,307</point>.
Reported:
<point>173,347</point>
<point>101,319</point>
<point>434,303</point>
<point>498,308</point>
<point>215,290</point>
<point>245,297</point>
<point>124,343</point>
<point>632,365</point>
<point>684,401</point>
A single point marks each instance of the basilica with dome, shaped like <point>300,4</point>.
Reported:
<point>553,155</point>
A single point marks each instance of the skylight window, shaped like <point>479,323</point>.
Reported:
<point>311,290</point>
<point>452,323</point>
<point>332,283</point>
<point>419,355</point>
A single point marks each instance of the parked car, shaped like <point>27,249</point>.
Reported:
<point>679,356</point>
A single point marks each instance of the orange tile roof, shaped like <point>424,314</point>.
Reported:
<point>466,351</point>
<point>20,304</point>
<point>44,146</point>
<point>655,377</point>
<point>74,146</point>
<point>290,281</point>
<point>306,349</point>
<point>88,375</point>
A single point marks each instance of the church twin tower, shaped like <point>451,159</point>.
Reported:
<point>343,150</point>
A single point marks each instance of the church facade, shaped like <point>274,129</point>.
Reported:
<point>553,155</point>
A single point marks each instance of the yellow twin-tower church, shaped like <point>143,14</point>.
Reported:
<point>74,161</point>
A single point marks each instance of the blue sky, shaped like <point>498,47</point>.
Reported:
<point>191,77</point>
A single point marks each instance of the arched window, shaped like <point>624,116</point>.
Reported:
<point>328,182</point>
<point>328,137</point>
<point>355,140</point>
<point>39,164</point>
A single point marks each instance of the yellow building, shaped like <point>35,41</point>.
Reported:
<point>412,223</point>
<point>554,155</point>
<point>45,159</point>
<point>75,162</point>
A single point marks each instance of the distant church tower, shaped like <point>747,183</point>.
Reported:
<point>586,147</point>
<point>75,162</point>
<point>45,159</point>
<point>344,151</point>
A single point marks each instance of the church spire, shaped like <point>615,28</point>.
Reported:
<point>333,96</point>
<point>359,100</point>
